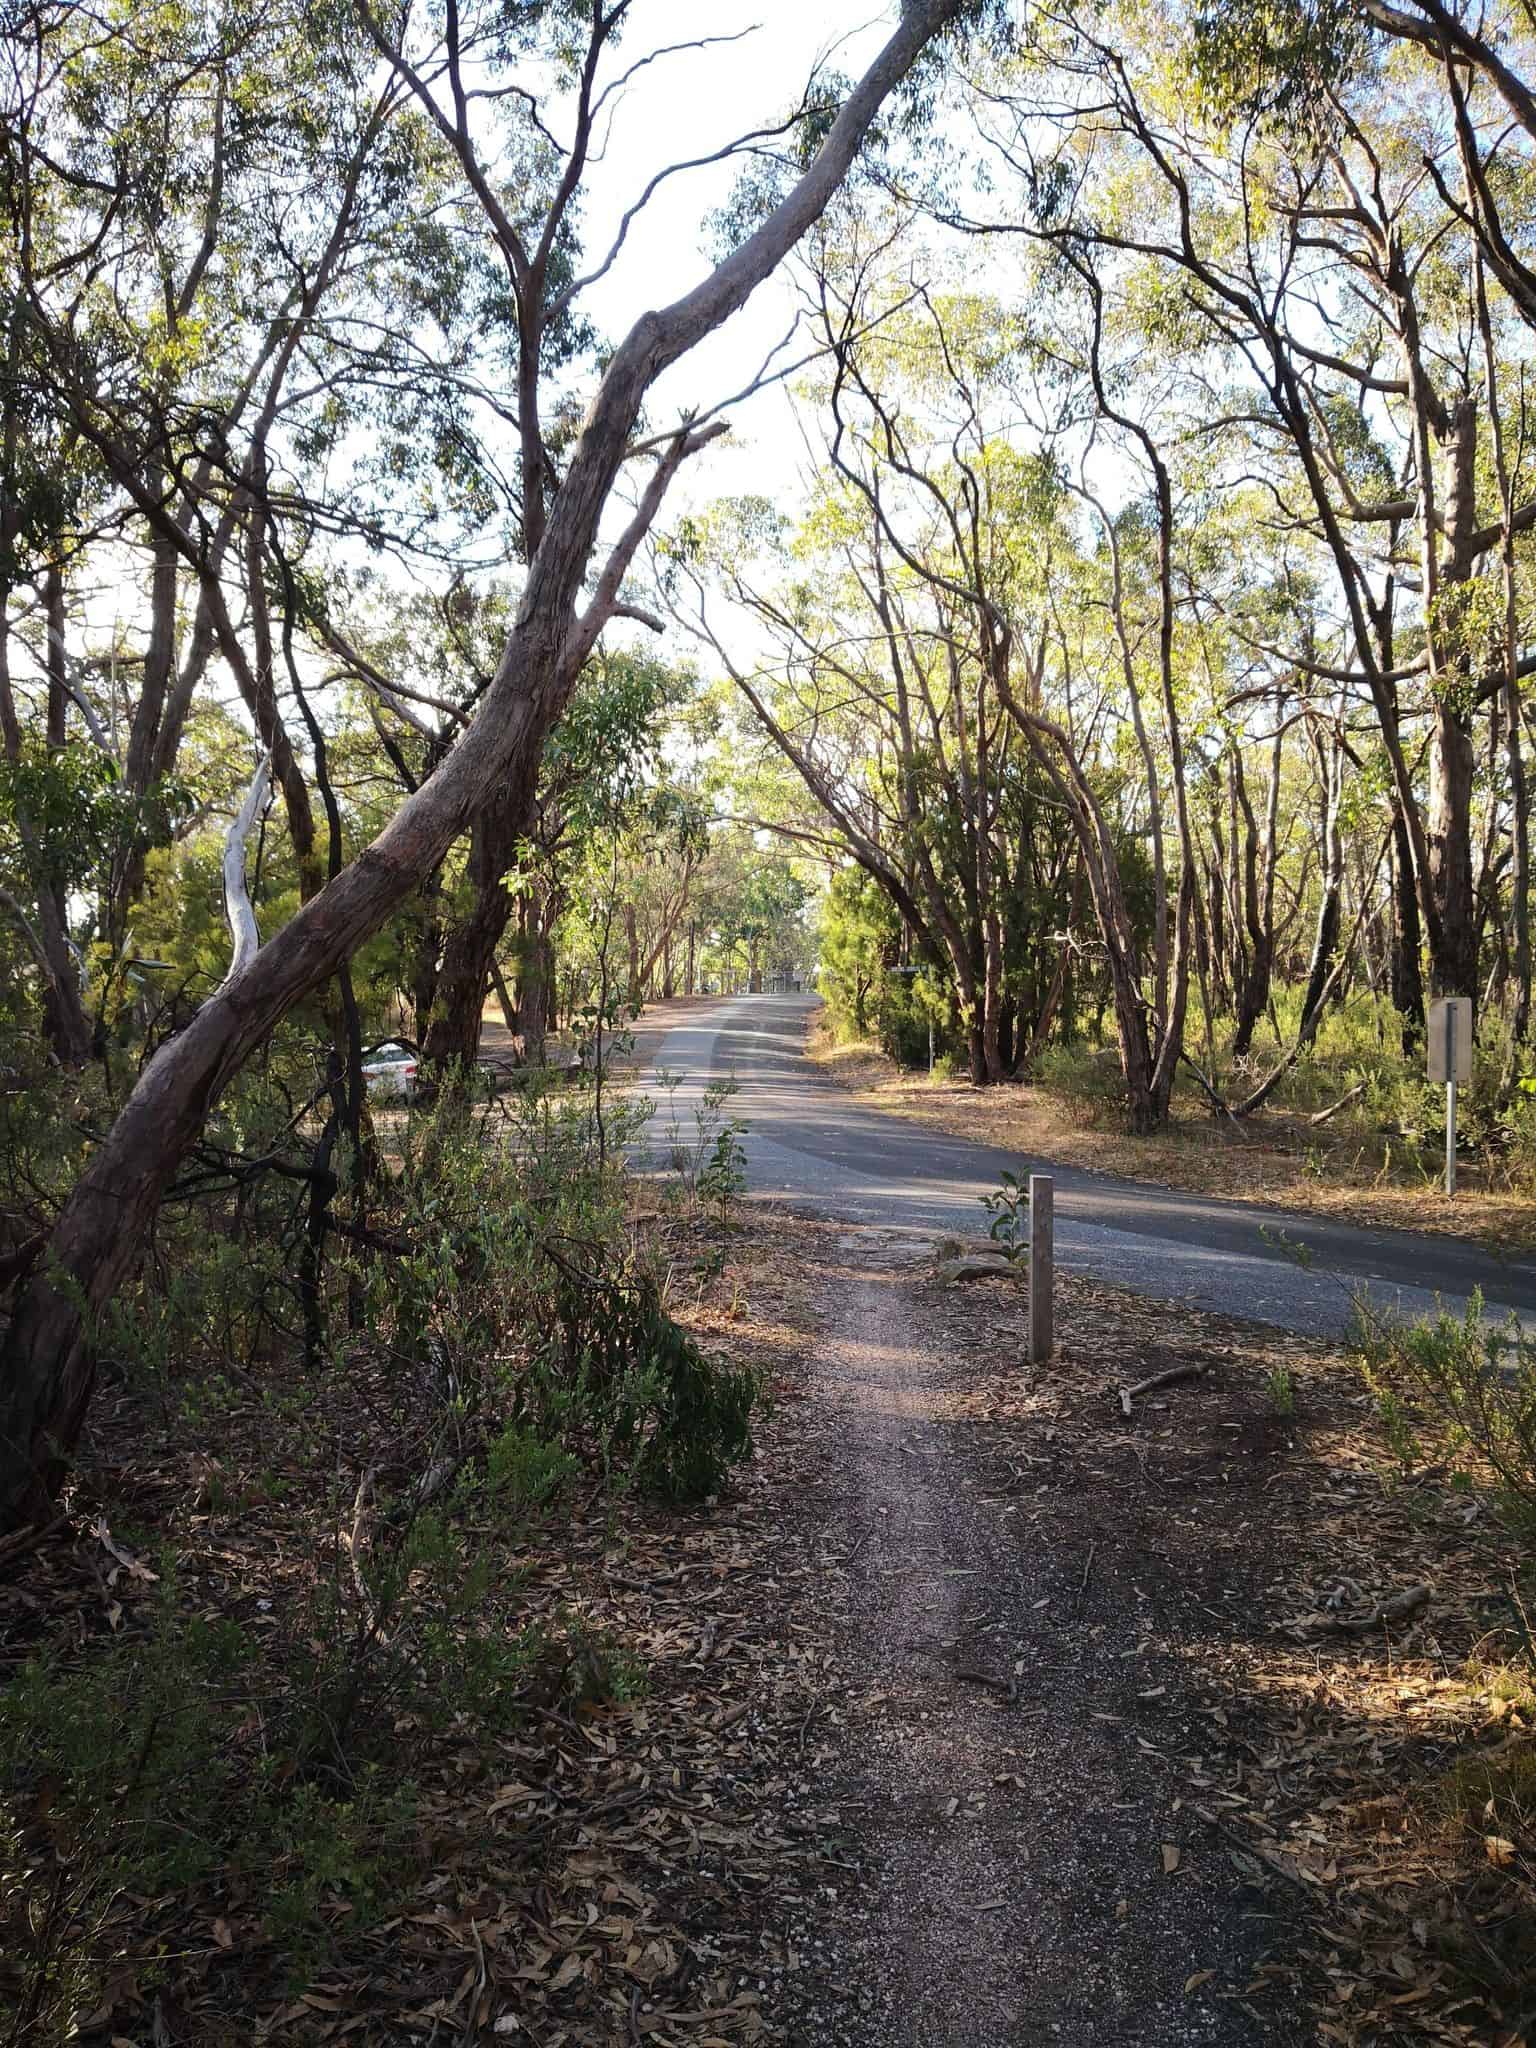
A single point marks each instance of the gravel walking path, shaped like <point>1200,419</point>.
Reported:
<point>1009,1823</point>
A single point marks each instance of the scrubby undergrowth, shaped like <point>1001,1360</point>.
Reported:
<point>300,1571</point>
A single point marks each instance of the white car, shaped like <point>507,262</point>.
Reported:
<point>390,1070</point>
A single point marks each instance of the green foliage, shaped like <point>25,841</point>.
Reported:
<point>1008,1206</point>
<point>604,751</point>
<point>625,1381</point>
<point>1086,1080</point>
<point>1467,1389</point>
<point>133,1754</point>
<point>859,932</point>
<point>326,1849</point>
<point>723,1175</point>
<point>136,1743</point>
<point>1275,58</point>
<point>79,816</point>
<point>913,1015</point>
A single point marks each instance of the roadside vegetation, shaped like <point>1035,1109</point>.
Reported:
<point>1380,1159</point>
<point>1107,683</point>
<point>339,1542</point>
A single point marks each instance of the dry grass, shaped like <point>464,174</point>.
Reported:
<point>1279,1160</point>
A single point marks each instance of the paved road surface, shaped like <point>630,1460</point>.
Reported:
<point>810,1143</point>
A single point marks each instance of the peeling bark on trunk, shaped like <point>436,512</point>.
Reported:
<point>66,1026</point>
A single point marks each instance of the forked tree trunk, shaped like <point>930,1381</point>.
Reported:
<point>452,1041</point>
<point>46,1383</point>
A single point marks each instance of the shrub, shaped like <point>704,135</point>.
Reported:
<point>1088,1084</point>
<point>1008,1206</point>
<point>131,1765</point>
<point>488,1333</point>
<point>1468,1389</point>
<point>1469,1384</point>
<point>624,1379</point>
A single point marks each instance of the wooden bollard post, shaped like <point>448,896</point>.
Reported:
<point>1042,1266</point>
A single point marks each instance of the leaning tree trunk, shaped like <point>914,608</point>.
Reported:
<point>46,1383</point>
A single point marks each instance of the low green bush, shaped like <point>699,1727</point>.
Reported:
<point>1464,1391</point>
<point>490,1333</point>
<point>129,1769</point>
<point>623,1379</point>
<point>1087,1082</point>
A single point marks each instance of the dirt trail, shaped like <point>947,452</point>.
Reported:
<point>1014,1883</point>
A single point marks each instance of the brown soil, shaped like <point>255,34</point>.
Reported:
<point>1103,1768</point>
<point>1011,1825</point>
<point>1276,1159</point>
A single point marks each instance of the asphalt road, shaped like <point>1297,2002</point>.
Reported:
<point>810,1143</point>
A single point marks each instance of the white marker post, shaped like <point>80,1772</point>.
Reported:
<point>1042,1263</point>
<point>1450,1061</point>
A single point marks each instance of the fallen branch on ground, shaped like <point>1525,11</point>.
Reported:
<point>1349,1096</point>
<point>1007,1687</point>
<point>1396,1607</point>
<point>1171,1378</point>
<point>1247,1847</point>
<point>1219,1105</point>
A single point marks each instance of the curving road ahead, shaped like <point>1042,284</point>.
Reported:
<point>811,1144</point>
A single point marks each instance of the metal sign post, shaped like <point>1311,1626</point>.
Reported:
<point>1450,1061</point>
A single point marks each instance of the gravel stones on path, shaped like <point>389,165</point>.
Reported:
<point>1028,1872</point>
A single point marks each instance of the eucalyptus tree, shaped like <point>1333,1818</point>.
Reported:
<point>890,615</point>
<point>237,330</point>
<point>610,821</point>
<point>1321,267</point>
<point>560,616</point>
